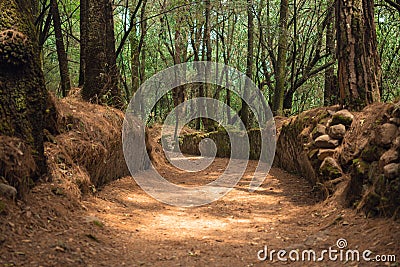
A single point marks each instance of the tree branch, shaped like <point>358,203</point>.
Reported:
<point>396,4</point>
<point>131,25</point>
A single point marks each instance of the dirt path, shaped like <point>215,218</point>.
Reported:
<point>122,226</point>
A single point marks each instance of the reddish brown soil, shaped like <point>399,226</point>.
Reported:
<point>122,226</point>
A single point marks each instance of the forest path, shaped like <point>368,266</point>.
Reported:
<point>122,226</point>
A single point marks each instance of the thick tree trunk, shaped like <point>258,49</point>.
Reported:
<point>280,72</point>
<point>359,70</point>
<point>62,55</point>
<point>101,74</point>
<point>22,89</point>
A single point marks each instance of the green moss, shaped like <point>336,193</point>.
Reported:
<point>323,117</point>
<point>98,223</point>
<point>331,171</point>
<point>372,200</point>
<point>371,153</point>
<point>339,119</point>
<point>20,102</point>
<point>361,167</point>
<point>334,172</point>
<point>190,142</point>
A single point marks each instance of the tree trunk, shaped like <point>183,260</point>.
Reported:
<point>288,101</point>
<point>143,30</point>
<point>178,93</point>
<point>101,74</point>
<point>23,94</point>
<point>135,53</point>
<point>280,71</point>
<point>359,70</point>
<point>330,87</point>
<point>83,39</point>
<point>62,55</point>
<point>209,124</point>
<point>245,112</point>
<point>111,55</point>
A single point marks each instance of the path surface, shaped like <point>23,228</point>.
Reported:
<point>122,226</point>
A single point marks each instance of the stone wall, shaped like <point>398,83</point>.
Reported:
<point>328,147</point>
<point>190,143</point>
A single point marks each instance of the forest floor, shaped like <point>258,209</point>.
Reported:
<point>121,225</point>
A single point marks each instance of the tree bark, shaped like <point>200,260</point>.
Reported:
<point>330,88</point>
<point>83,39</point>
<point>62,55</point>
<point>359,70</point>
<point>281,60</point>
<point>101,74</point>
<point>209,124</point>
<point>245,112</point>
<point>135,53</point>
<point>22,89</point>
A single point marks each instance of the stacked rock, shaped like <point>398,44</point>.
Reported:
<point>326,140</point>
<point>387,136</point>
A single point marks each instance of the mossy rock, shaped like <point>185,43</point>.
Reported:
<point>361,167</point>
<point>371,153</point>
<point>372,200</point>
<point>342,117</point>
<point>330,168</point>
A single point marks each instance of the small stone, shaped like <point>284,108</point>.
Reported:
<point>8,191</point>
<point>392,170</point>
<point>312,153</point>
<point>324,153</point>
<point>386,133</point>
<point>337,131</point>
<point>396,142</point>
<point>389,157</point>
<point>342,117</point>
<point>330,168</point>
<point>325,141</point>
<point>318,131</point>
<point>328,123</point>
<point>305,132</point>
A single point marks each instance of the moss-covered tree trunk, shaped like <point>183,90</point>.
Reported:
<point>359,70</point>
<point>22,89</point>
